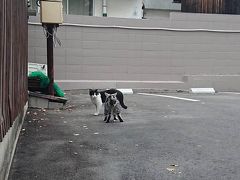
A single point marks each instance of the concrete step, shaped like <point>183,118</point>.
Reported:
<point>37,100</point>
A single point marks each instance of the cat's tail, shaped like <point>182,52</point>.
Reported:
<point>120,98</point>
<point>123,105</point>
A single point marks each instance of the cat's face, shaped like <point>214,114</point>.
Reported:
<point>93,93</point>
<point>112,98</point>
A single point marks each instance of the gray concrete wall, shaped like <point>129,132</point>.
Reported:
<point>168,53</point>
<point>8,145</point>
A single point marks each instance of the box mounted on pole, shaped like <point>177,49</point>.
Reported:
<point>51,11</point>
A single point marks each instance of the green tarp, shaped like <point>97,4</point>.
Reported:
<point>44,82</point>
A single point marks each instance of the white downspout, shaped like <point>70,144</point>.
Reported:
<point>104,8</point>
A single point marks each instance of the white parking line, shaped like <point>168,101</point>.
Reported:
<point>172,97</point>
<point>230,93</point>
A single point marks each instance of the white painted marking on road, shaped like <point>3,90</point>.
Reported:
<point>126,91</point>
<point>172,97</point>
<point>203,90</point>
<point>235,93</point>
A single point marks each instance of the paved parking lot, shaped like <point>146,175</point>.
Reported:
<point>186,137</point>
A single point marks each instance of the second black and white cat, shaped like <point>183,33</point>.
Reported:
<point>98,98</point>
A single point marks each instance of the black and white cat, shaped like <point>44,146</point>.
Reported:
<point>112,107</point>
<point>98,98</point>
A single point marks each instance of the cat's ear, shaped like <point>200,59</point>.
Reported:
<point>90,92</point>
<point>107,95</point>
<point>115,94</point>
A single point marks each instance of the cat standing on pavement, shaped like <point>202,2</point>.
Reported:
<point>96,99</point>
<point>112,107</point>
<point>99,97</point>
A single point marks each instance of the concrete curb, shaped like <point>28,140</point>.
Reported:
<point>12,143</point>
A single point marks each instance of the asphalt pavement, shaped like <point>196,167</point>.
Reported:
<point>161,138</point>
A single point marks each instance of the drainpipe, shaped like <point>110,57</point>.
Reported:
<point>104,8</point>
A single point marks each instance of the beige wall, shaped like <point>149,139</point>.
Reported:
<point>170,58</point>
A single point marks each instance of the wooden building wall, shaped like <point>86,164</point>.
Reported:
<point>203,6</point>
<point>13,61</point>
<point>232,6</point>
<point>211,6</point>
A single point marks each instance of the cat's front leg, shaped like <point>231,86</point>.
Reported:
<point>105,118</point>
<point>98,108</point>
<point>120,118</point>
<point>96,111</point>
<point>115,117</point>
<point>108,118</point>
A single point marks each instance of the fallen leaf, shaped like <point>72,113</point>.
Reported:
<point>62,117</point>
<point>28,112</point>
<point>23,129</point>
<point>76,134</point>
<point>96,133</point>
<point>70,141</point>
<point>69,107</point>
<point>171,169</point>
<point>65,122</point>
<point>35,113</point>
<point>75,153</point>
